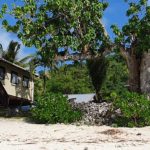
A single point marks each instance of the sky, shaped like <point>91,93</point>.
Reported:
<point>114,14</point>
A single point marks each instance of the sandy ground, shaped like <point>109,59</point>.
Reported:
<point>16,134</point>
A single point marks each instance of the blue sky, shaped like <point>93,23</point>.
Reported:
<point>115,14</point>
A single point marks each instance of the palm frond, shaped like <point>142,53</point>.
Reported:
<point>12,51</point>
<point>25,59</point>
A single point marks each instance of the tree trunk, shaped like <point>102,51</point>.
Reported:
<point>97,97</point>
<point>44,80</point>
<point>145,74</point>
<point>134,73</point>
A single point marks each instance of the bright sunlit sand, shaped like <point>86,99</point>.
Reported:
<point>16,134</point>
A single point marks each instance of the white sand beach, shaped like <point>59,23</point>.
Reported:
<point>16,134</point>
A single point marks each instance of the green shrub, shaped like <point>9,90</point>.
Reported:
<point>54,108</point>
<point>135,109</point>
<point>116,78</point>
<point>70,79</point>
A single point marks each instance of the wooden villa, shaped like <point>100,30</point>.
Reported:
<point>16,85</point>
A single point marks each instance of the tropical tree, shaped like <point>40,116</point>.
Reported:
<point>133,39</point>
<point>51,25</point>
<point>97,70</point>
<point>44,75</point>
<point>12,52</point>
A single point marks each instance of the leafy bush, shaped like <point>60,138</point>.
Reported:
<point>135,109</point>
<point>116,77</point>
<point>54,108</point>
<point>70,79</point>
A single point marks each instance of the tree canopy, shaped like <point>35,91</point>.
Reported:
<point>55,24</point>
<point>135,35</point>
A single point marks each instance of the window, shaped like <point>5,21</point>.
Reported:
<point>25,81</point>
<point>14,78</point>
<point>2,73</point>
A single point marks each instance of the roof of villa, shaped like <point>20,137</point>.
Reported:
<point>10,63</point>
